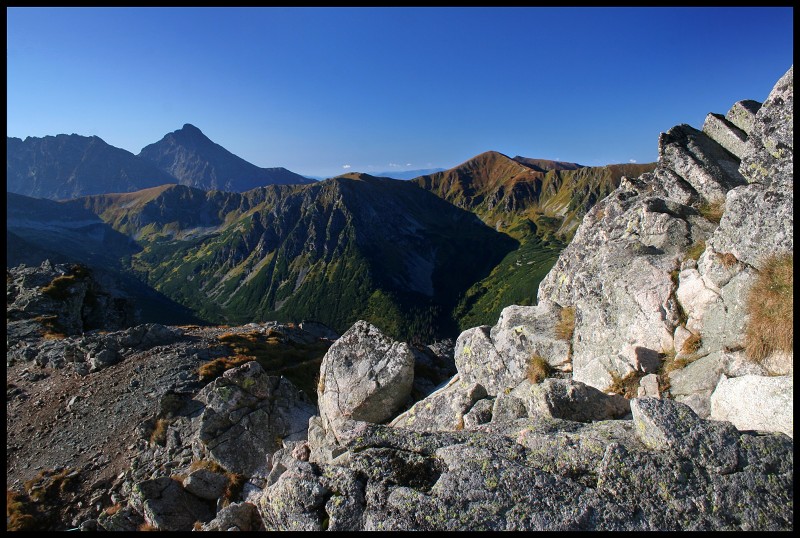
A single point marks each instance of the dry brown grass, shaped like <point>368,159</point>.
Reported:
<point>147,527</point>
<point>111,510</point>
<point>159,433</point>
<point>49,484</point>
<point>213,369</point>
<point>538,369</point>
<point>21,514</point>
<point>712,211</point>
<point>727,259</point>
<point>770,309</point>
<point>627,386</point>
<point>565,326</point>
<point>692,344</point>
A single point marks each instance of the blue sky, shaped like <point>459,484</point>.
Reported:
<point>322,91</point>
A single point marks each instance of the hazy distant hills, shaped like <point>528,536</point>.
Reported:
<point>68,166</point>
<point>194,160</point>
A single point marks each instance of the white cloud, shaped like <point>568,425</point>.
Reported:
<point>345,166</point>
<point>632,161</point>
<point>408,164</point>
<point>394,165</point>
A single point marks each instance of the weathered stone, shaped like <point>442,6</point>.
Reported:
<point>481,413</point>
<point>205,484</point>
<point>507,408</point>
<point>364,376</point>
<point>736,364</point>
<point>754,402</point>
<point>570,400</point>
<point>697,380</point>
<point>666,425</point>
<point>770,156</point>
<point>295,502</point>
<point>700,161</point>
<point>726,134</point>
<point>247,416</point>
<point>167,506</point>
<point>241,516</point>
<point>743,114</point>
<point>442,410</point>
<point>648,387</point>
<point>103,359</point>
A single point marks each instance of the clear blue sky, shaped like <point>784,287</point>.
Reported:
<point>319,89</point>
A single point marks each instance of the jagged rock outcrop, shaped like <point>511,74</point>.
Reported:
<point>364,376</point>
<point>663,470</point>
<point>653,263</point>
<point>248,415</point>
<point>499,357</point>
<point>61,300</point>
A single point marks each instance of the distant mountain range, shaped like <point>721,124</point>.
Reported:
<point>421,258</point>
<point>394,174</point>
<point>68,166</point>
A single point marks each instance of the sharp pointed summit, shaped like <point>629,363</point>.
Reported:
<point>196,161</point>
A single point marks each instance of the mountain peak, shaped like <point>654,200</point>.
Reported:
<point>189,128</point>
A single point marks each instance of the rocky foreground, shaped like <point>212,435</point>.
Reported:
<point>643,392</point>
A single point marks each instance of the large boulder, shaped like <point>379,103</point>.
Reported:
<point>498,358</point>
<point>167,506</point>
<point>247,417</point>
<point>365,375</point>
<point>754,402</point>
<point>570,400</point>
<point>444,409</point>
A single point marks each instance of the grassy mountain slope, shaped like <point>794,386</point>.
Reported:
<point>347,248</point>
<point>538,202</point>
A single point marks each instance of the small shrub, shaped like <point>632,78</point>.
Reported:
<point>770,309</point>
<point>695,250</point>
<point>566,324</point>
<point>147,527</point>
<point>233,491</point>
<point>712,211</point>
<point>538,369</point>
<point>692,344</point>
<point>626,386</point>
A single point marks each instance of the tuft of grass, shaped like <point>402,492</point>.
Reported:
<point>672,362</point>
<point>111,510</point>
<point>59,287</point>
<point>626,386</point>
<point>727,259</point>
<point>49,484</point>
<point>770,309</point>
<point>566,324</point>
<point>208,465</point>
<point>538,369</point>
<point>713,210</point>
<point>147,527</point>
<point>213,369</point>
<point>159,434</point>
<point>695,250</point>
<point>21,514</point>
<point>692,344</point>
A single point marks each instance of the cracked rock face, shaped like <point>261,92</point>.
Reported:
<point>663,470</point>
<point>247,417</point>
<point>364,376</point>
